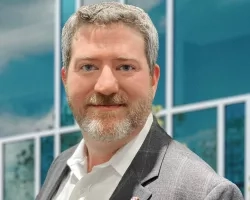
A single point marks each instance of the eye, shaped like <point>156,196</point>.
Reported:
<point>126,68</point>
<point>88,68</point>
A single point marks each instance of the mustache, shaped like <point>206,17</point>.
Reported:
<point>113,99</point>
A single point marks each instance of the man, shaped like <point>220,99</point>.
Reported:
<point>110,75</point>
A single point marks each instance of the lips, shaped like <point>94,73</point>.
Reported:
<point>107,105</point>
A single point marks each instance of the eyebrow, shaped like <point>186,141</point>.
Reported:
<point>85,58</point>
<point>126,59</point>
<point>120,58</point>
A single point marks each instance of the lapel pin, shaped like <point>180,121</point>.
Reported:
<point>135,198</point>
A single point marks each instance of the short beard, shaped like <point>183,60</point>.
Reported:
<point>100,126</point>
<point>95,129</point>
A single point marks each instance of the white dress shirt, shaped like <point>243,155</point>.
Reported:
<point>100,183</point>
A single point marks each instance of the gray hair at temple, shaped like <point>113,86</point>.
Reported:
<point>109,13</point>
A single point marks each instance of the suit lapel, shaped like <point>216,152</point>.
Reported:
<point>59,170</point>
<point>56,181</point>
<point>129,187</point>
<point>145,167</point>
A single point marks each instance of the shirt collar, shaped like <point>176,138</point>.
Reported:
<point>120,160</point>
<point>77,162</point>
<point>78,156</point>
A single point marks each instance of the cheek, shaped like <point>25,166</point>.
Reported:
<point>137,87</point>
<point>77,89</point>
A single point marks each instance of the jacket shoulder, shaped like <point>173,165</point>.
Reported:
<point>186,176</point>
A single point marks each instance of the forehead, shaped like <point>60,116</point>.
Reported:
<point>110,36</point>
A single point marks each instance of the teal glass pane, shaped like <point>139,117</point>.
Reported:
<point>26,66</point>
<point>70,139</point>
<point>19,170</point>
<point>47,155</point>
<point>211,50</point>
<point>235,145</point>
<point>67,9</point>
<point>157,12</point>
<point>197,130</point>
<point>160,118</point>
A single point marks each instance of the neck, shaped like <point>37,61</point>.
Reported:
<point>99,152</point>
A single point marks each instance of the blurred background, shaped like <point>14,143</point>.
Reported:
<point>203,99</point>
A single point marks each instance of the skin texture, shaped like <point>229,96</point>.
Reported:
<point>109,87</point>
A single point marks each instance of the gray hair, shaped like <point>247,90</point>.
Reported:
<point>109,13</point>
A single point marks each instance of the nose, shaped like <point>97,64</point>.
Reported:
<point>107,83</point>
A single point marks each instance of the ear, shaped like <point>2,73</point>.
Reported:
<point>64,75</point>
<point>155,77</point>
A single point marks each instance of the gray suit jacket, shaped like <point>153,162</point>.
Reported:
<point>163,169</point>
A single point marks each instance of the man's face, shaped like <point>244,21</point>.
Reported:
<point>108,83</point>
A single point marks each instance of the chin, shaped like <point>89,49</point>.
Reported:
<point>107,130</point>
